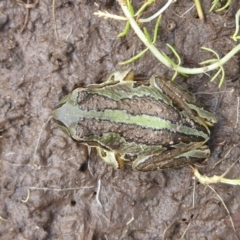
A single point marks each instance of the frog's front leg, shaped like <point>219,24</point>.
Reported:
<point>172,159</point>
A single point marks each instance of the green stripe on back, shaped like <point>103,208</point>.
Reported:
<point>145,121</point>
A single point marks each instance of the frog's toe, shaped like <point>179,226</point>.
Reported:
<point>111,158</point>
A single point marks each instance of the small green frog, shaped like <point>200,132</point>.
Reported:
<point>151,125</point>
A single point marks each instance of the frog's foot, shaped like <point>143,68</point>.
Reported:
<point>111,158</point>
<point>171,160</point>
<point>121,76</point>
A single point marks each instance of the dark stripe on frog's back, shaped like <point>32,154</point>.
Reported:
<point>91,129</point>
<point>135,105</point>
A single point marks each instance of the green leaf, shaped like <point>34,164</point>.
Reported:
<point>136,57</point>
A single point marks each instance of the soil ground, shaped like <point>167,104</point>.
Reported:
<point>49,186</point>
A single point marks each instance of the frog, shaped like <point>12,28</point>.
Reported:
<point>147,125</point>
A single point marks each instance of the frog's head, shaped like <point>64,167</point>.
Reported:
<point>65,113</point>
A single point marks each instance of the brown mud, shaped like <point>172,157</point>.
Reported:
<point>48,190</point>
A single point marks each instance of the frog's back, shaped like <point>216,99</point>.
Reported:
<point>129,116</point>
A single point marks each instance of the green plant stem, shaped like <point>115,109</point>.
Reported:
<point>235,36</point>
<point>157,13</point>
<point>199,9</point>
<point>162,59</point>
<point>230,181</point>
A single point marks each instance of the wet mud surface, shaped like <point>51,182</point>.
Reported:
<point>49,185</point>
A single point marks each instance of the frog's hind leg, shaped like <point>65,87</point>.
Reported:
<point>172,159</point>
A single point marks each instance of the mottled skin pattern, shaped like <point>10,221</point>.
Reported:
<point>152,125</point>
